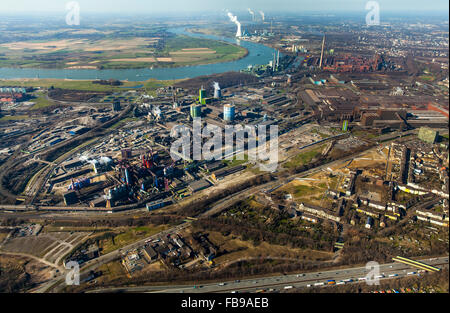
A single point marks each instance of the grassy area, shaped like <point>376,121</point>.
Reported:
<point>235,162</point>
<point>112,270</point>
<point>41,102</point>
<point>3,236</point>
<point>129,236</point>
<point>123,122</point>
<point>365,134</point>
<point>301,191</point>
<point>51,229</point>
<point>323,135</point>
<point>304,157</point>
<point>85,85</point>
<point>14,118</point>
<point>428,78</point>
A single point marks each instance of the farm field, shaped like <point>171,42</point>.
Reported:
<point>117,53</point>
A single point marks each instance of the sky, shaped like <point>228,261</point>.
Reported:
<point>178,6</point>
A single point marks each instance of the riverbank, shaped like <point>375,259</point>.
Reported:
<point>253,54</point>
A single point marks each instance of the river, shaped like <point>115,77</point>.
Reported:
<point>257,54</point>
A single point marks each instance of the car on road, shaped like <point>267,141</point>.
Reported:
<point>393,275</point>
<point>411,273</point>
<point>288,287</point>
<point>300,275</point>
<point>222,284</point>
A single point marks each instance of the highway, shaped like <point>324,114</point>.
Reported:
<point>278,283</point>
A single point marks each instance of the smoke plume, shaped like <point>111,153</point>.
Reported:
<point>238,24</point>
<point>263,16</point>
<point>252,13</point>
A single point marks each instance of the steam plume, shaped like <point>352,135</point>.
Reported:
<point>263,16</point>
<point>238,24</point>
<point>252,13</point>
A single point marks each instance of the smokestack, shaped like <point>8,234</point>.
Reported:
<point>217,91</point>
<point>321,54</point>
<point>263,16</point>
<point>278,59</point>
<point>238,24</point>
<point>252,13</point>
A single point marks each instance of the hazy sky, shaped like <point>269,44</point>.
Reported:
<point>159,6</point>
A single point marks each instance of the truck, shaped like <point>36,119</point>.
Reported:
<point>319,284</point>
<point>288,287</point>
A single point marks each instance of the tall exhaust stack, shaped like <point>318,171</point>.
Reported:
<point>217,91</point>
<point>321,54</point>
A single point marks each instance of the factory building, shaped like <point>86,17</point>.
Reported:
<point>229,112</point>
<point>217,93</point>
<point>116,105</point>
<point>78,130</point>
<point>202,96</point>
<point>196,110</point>
<point>70,198</point>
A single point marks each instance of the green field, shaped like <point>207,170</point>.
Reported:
<point>129,236</point>
<point>235,162</point>
<point>123,122</point>
<point>14,118</point>
<point>85,85</point>
<point>303,158</point>
<point>41,102</point>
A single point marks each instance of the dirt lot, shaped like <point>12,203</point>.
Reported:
<point>37,271</point>
<point>48,247</point>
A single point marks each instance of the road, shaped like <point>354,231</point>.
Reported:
<point>278,283</point>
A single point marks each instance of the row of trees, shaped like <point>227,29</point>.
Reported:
<point>275,228</point>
